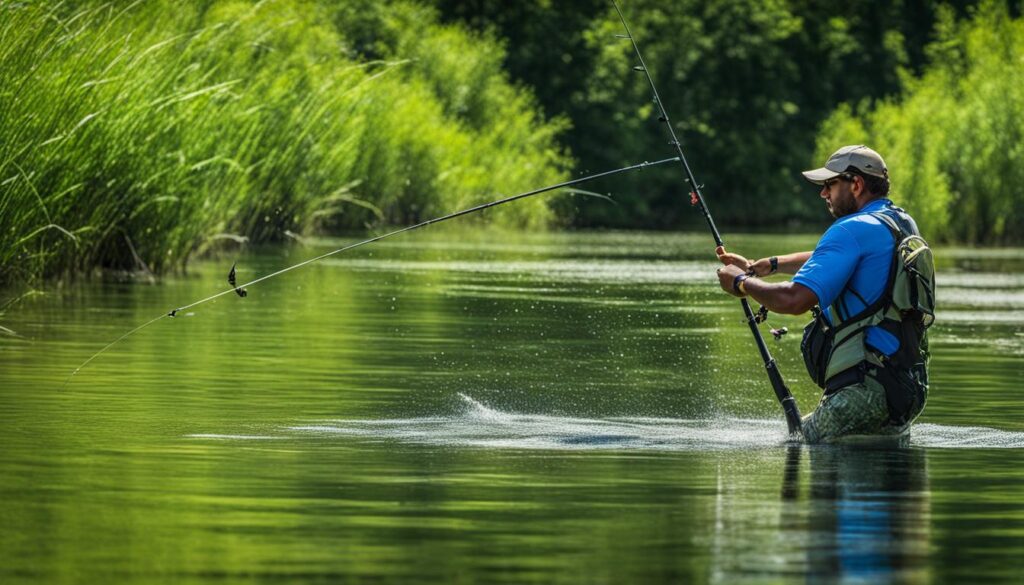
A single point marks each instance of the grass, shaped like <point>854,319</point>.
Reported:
<point>135,137</point>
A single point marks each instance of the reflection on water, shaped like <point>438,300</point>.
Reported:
<point>845,515</point>
<point>868,515</point>
<point>481,407</point>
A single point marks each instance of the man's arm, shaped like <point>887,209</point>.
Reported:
<point>820,280</point>
<point>788,298</point>
<point>788,264</point>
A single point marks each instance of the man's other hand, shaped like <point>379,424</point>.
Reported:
<point>730,259</point>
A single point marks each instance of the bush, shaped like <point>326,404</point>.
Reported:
<point>953,139</point>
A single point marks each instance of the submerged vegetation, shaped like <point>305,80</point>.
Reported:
<point>135,137</point>
<point>954,140</point>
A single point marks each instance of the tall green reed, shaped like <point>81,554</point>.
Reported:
<point>140,136</point>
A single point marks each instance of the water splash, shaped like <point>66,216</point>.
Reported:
<point>479,425</point>
<point>478,410</point>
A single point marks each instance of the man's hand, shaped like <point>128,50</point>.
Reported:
<point>727,275</point>
<point>730,259</point>
<point>762,267</point>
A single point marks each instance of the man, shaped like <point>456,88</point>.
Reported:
<point>870,358</point>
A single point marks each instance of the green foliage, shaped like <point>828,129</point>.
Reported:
<point>747,84</point>
<point>144,135</point>
<point>953,139</point>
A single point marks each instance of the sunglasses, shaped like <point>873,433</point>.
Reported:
<point>843,177</point>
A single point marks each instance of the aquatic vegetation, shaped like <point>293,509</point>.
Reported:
<point>136,137</point>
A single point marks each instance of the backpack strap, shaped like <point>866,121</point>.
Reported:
<point>889,222</point>
<point>886,297</point>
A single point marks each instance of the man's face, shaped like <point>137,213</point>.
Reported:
<point>838,195</point>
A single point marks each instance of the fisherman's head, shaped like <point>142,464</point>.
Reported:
<point>851,178</point>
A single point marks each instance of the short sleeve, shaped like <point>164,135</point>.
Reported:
<point>831,264</point>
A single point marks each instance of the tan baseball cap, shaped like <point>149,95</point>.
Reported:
<point>858,156</point>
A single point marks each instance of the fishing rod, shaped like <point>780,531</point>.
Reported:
<point>782,392</point>
<point>241,291</point>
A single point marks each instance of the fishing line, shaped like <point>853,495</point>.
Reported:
<point>782,393</point>
<point>240,290</point>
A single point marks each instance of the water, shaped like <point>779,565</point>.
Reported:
<point>478,406</point>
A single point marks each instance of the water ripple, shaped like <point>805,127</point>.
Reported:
<point>604,271</point>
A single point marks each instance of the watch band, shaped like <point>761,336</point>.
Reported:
<point>737,284</point>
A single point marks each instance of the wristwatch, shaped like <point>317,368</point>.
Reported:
<point>737,284</point>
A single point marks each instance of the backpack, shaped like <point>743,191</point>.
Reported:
<point>906,309</point>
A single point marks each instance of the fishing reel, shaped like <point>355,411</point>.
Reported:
<point>762,315</point>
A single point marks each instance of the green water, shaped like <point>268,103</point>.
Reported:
<point>477,406</point>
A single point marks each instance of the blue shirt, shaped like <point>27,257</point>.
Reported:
<point>849,269</point>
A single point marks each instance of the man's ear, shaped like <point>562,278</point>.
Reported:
<point>857,183</point>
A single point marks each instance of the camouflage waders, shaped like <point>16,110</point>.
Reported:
<point>857,409</point>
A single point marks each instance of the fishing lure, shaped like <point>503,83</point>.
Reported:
<point>231,280</point>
